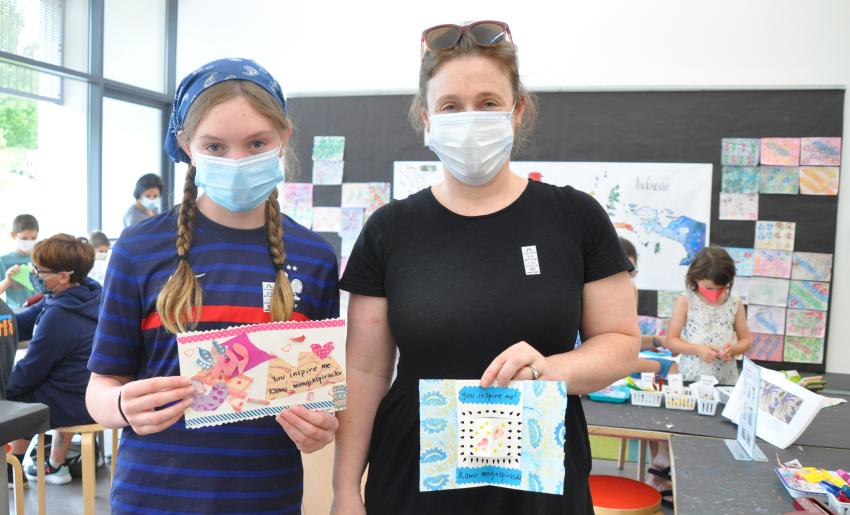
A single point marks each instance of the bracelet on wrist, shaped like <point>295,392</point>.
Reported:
<point>120,410</point>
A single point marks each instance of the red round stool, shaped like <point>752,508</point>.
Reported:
<point>614,495</point>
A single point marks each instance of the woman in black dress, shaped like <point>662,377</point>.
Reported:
<point>485,275</point>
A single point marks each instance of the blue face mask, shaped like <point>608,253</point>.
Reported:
<point>150,203</point>
<point>38,283</point>
<point>239,184</point>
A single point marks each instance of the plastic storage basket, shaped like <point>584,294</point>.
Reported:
<point>683,399</point>
<point>647,398</point>
<point>708,406</point>
<point>840,508</point>
<point>707,398</point>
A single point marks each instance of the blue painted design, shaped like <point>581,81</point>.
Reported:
<point>534,433</point>
<point>562,388</point>
<point>433,399</point>
<point>538,387</point>
<point>559,489</point>
<point>223,418</point>
<point>560,433</point>
<point>492,395</point>
<point>534,482</point>
<point>433,425</point>
<point>436,482</point>
<point>489,474</point>
<point>432,455</point>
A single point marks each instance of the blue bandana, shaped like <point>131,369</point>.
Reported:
<point>199,80</point>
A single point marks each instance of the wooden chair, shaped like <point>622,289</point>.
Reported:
<point>18,474</point>
<point>88,433</point>
<point>640,460</point>
<point>614,495</point>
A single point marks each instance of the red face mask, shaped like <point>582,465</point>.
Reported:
<point>711,295</point>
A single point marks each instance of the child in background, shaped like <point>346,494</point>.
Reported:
<point>101,246</point>
<point>25,233</point>
<point>60,329</point>
<point>100,243</point>
<point>659,452</point>
<point>708,326</point>
<point>659,365</point>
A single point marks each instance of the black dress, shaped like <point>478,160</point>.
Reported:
<point>460,290</point>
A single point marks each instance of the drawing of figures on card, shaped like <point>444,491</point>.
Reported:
<point>256,370</point>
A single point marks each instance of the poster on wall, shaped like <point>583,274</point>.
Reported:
<point>667,238</point>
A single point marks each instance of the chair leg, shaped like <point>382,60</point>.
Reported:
<point>88,473</point>
<point>621,460</point>
<point>114,454</point>
<point>39,467</point>
<point>641,460</point>
<point>18,474</point>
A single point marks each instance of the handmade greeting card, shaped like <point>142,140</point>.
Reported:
<point>779,179</point>
<point>811,266</point>
<point>766,319</point>
<point>254,371</point>
<point>772,263</point>
<point>775,235</point>
<point>819,180</point>
<point>768,291</point>
<point>743,260</point>
<point>740,179</point>
<point>740,151</point>
<point>766,347</point>
<point>780,151</point>
<point>511,437</point>
<point>801,349</point>
<point>809,295</point>
<point>666,302</point>
<point>820,151</point>
<point>739,206</point>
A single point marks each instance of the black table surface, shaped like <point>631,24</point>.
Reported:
<point>828,429</point>
<point>709,480</point>
<point>22,420</point>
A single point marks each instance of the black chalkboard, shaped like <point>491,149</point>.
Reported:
<point>656,126</point>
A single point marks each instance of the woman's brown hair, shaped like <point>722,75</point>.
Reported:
<point>181,297</point>
<point>504,55</point>
<point>712,263</point>
<point>65,253</point>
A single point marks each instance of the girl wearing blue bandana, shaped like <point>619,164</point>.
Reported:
<point>222,258</point>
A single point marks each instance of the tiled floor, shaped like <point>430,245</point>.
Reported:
<point>68,499</point>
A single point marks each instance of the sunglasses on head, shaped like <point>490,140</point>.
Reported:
<point>487,33</point>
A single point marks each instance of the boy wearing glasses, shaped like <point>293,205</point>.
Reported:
<point>60,328</point>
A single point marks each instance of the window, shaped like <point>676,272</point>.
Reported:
<point>132,147</point>
<point>43,162</point>
<point>134,43</point>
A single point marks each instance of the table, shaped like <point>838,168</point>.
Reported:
<point>707,479</point>
<point>18,420</point>
<point>828,429</point>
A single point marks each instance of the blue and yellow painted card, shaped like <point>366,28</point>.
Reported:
<point>511,437</point>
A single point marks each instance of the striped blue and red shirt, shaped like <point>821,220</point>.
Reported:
<point>246,467</point>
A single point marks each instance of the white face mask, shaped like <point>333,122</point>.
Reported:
<point>473,145</point>
<point>25,246</point>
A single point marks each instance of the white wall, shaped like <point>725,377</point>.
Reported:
<point>369,47</point>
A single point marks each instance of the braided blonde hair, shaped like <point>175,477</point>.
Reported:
<point>181,297</point>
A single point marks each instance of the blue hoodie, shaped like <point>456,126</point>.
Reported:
<point>61,329</point>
